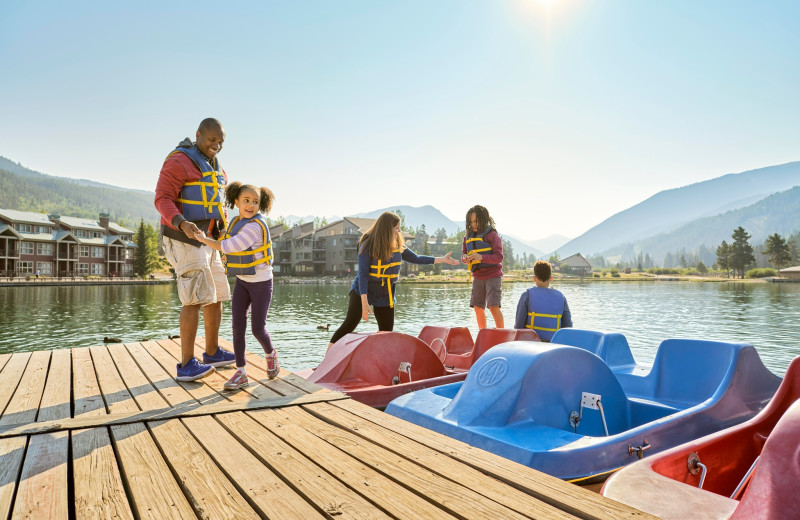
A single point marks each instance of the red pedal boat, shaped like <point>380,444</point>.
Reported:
<point>748,471</point>
<point>378,367</point>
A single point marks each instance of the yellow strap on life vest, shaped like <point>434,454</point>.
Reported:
<point>381,273</point>
<point>262,249</point>
<point>533,316</point>
<point>205,203</point>
<point>482,250</point>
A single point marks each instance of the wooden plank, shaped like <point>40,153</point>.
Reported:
<point>115,394</point>
<point>167,387</point>
<point>3,360</point>
<point>437,462</point>
<point>391,497</point>
<point>10,377</point>
<point>562,495</point>
<point>314,483</point>
<point>42,489</point>
<point>12,452</point>
<point>202,393</point>
<point>260,384</point>
<point>153,490</point>
<point>207,487</point>
<point>144,393</point>
<point>57,392</point>
<point>99,493</point>
<point>214,381</point>
<point>446,494</point>
<point>24,404</point>
<point>87,399</point>
<point>162,414</point>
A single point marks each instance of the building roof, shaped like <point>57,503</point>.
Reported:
<point>82,223</point>
<point>5,228</point>
<point>576,260</point>
<point>110,239</point>
<point>91,241</point>
<point>795,269</point>
<point>362,223</point>
<point>36,236</point>
<point>26,217</point>
<point>63,233</point>
<point>276,231</point>
<point>113,226</point>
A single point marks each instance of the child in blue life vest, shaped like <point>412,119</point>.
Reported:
<point>248,254</point>
<point>482,251</point>
<point>541,308</point>
<point>380,254</point>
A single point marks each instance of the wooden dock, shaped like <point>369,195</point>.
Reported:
<point>106,432</point>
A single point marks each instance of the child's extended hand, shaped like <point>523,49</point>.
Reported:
<point>446,259</point>
<point>199,235</point>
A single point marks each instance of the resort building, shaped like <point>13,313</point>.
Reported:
<point>56,246</point>
<point>576,264</point>
<point>792,273</point>
<point>332,250</point>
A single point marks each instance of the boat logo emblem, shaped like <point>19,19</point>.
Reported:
<point>492,372</point>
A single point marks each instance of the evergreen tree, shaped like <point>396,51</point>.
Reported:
<point>701,267</point>
<point>724,257</point>
<point>508,255</point>
<point>426,250</point>
<point>778,250</point>
<point>146,260</point>
<point>741,251</point>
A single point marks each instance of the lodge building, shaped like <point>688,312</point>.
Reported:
<point>56,246</point>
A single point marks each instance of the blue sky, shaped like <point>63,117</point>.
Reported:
<point>553,114</point>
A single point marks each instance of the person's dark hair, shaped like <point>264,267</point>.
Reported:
<point>265,195</point>
<point>209,123</point>
<point>379,238</point>
<point>482,216</point>
<point>542,270</point>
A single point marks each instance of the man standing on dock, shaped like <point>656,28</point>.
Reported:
<point>189,197</point>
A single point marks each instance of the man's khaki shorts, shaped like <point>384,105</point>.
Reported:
<point>201,276</point>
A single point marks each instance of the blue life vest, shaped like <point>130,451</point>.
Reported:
<point>245,262</point>
<point>202,199</point>
<point>476,243</point>
<point>545,308</point>
<point>387,272</point>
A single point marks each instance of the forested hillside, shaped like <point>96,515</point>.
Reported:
<point>40,192</point>
<point>778,213</point>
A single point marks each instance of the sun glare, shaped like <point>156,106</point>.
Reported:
<point>547,4</point>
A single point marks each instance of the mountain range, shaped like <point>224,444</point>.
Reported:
<point>691,209</point>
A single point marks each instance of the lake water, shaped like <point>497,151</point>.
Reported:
<point>765,315</point>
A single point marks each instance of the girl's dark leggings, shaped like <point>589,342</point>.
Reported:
<point>255,296</point>
<point>383,315</point>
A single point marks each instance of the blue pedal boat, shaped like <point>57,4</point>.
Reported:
<point>580,408</point>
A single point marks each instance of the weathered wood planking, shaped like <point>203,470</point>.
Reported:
<point>99,491</point>
<point>147,446</point>
<point>43,484</point>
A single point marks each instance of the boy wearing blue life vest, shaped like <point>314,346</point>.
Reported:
<point>482,251</point>
<point>541,308</point>
<point>248,255</point>
<point>189,198</point>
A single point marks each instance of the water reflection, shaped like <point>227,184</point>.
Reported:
<point>766,315</point>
